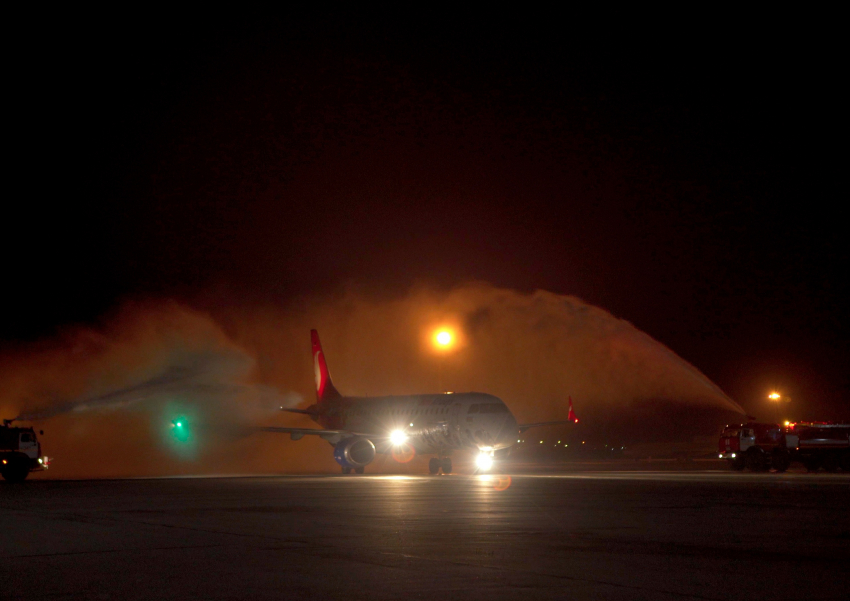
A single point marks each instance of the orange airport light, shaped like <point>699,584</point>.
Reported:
<point>443,338</point>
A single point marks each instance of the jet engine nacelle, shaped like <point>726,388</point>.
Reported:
<point>354,452</point>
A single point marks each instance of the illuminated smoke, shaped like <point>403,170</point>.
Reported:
<point>107,397</point>
<point>532,350</point>
<point>206,377</point>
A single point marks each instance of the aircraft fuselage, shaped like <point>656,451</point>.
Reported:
<point>433,423</point>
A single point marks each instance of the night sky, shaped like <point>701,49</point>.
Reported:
<point>685,183</point>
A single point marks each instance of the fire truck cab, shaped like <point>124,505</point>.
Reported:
<point>20,452</point>
<point>755,446</point>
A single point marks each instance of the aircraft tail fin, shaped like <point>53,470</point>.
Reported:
<point>325,389</point>
<point>572,415</point>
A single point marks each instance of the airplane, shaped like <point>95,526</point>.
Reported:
<point>361,427</point>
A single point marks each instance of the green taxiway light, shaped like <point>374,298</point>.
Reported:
<point>180,430</point>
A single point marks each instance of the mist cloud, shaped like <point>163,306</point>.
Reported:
<point>117,387</point>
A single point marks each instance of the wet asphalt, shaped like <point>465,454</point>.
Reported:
<point>589,535</point>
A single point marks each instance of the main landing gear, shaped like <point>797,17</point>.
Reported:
<point>436,464</point>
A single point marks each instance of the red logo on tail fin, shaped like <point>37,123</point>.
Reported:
<point>572,415</point>
<point>324,386</point>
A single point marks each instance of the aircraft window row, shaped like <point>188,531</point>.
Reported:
<point>432,411</point>
<point>488,408</point>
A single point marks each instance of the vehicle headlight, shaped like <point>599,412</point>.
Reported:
<point>398,437</point>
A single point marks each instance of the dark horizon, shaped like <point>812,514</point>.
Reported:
<point>684,185</point>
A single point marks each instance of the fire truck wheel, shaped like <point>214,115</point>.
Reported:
<point>738,464</point>
<point>780,460</point>
<point>845,461</point>
<point>15,472</point>
<point>812,464</point>
<point>756,460</point>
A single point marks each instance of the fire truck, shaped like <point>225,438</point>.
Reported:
<point>760,447</point>
<point>20,452</point>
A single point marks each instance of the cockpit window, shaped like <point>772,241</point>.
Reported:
<point>26,437</point>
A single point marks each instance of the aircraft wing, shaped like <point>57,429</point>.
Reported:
<point>524,427</point>
<point>299,433</point>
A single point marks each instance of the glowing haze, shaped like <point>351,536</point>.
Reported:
<point>106,397</point>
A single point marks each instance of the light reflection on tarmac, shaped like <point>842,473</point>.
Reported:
<point>587,535</point>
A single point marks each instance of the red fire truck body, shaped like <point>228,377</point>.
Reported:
<point>761,447</point>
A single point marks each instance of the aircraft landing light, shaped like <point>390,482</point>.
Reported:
<point>484,461</point>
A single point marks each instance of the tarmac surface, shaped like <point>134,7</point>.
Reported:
<point>590,535</point>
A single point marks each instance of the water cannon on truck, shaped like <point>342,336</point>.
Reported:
<point>20,452</point>
<point>760,447</point>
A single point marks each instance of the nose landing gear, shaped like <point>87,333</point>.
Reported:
<point>436,464</point>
